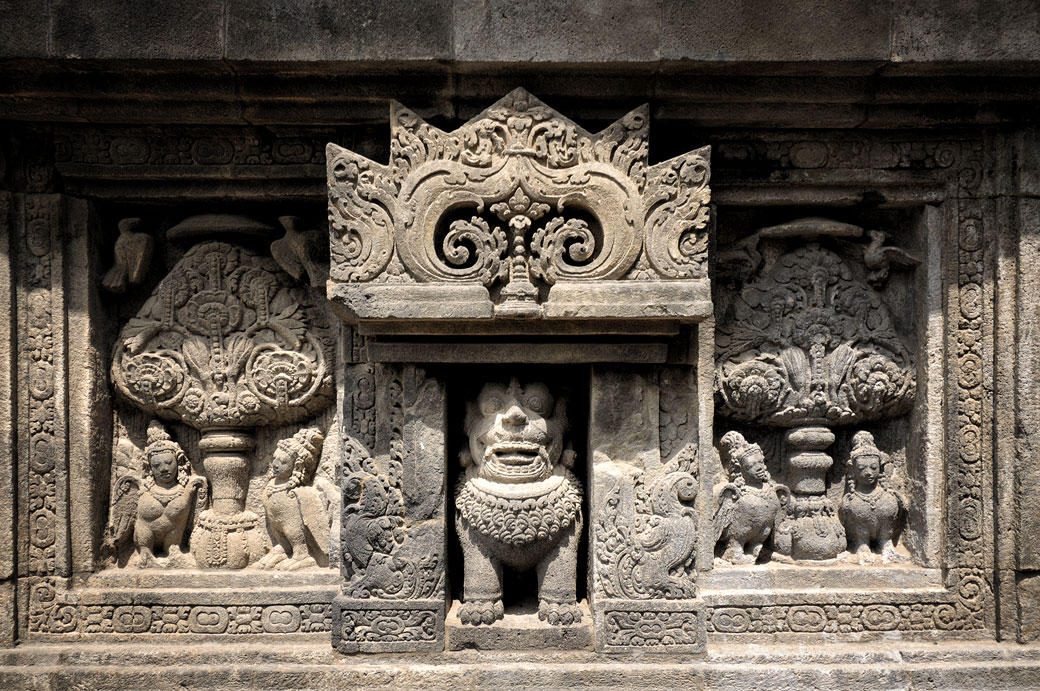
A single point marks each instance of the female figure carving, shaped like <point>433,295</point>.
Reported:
<point>299,505</point>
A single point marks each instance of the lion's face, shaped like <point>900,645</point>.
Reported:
<point>516,432</point>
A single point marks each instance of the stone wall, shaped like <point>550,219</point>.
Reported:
<point>408,328</point>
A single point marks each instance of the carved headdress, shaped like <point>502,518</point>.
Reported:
<point>863,445</point>
<point>735,448</point>
<point>159,441</point>
<point>304,448</point>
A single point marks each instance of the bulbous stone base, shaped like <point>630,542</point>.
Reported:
<point>227,542</point>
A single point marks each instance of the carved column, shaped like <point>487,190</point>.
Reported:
<point>643,527</point>
<point>60,424</point>
<point>393,524</point>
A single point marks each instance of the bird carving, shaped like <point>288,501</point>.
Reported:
<point>300,251</point>
<point>133,254</point>
<point>878,258</point>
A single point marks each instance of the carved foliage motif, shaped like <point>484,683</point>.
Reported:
<point>809,343</point>
<point>645,541</point>
<point>373,526</point>
<point>226,340</point>
<point>388,625</point>
<point>45,433</point>
<point>652,629</point>
<point>966,531</point>
<point>520,192</point>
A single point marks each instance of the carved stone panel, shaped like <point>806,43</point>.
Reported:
<point>227,343</point>
<point>518,213</point>
<point>393,521</point>
<point>644,527</point>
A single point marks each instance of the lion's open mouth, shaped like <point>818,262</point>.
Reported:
<point>516,460</point>
<point>515,453</point>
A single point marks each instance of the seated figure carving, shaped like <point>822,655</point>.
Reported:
<point>518,504</point>
<point>156,508</point>
<point>299,505</point>
<point>748,504</point>
<point>871,513</point>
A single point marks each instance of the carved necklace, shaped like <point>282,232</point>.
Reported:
<point>872,498</point>
<point>164,496</point>
<point>520,521</point>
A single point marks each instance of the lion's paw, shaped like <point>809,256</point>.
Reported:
<point>476,613</point>
<point>559,613</point>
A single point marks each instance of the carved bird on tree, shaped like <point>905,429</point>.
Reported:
<point>301,250</point>
<point>878,258</point>
<point>133,254</point>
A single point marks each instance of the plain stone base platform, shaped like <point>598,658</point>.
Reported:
<point>298,666</point>
<point>518,630</point>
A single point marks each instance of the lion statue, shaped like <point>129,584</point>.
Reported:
<point>517,503</point>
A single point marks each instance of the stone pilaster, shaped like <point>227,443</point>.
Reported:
<point>643,524</point>
<point>393,521</point>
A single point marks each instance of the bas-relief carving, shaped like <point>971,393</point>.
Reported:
<point>152,510</point>
<point>749,505</point>
<point>133,255</point>
<point>809,345</point>
<point>300,504</point>
<point>518,504</point>
<point>225,344</point>
<point>646,532</point>
<point>871,512</point>
<point>515,202</point>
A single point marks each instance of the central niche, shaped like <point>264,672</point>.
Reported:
<point>518,468</point>
<point>509,286</point>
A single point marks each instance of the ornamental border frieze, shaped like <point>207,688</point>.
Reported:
<point>44,421</point>
<point>946,158</point>
<point>54,610</point>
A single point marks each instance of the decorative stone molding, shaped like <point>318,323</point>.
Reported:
<point>519,213</point>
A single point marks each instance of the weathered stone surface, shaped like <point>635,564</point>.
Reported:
<point>965,31</point>
<point>758,30</point>
<point>191,30</point>
<point>557,31</point>
<point>322,30</point>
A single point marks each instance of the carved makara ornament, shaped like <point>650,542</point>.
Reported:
<point>299,504</point>
<point>810,345</point>
<point>748,505</point>
<point>514,202</point>
<point>227,342</point>
<point>154,510</point>
<point>872,513</point>
<point>518,504</point>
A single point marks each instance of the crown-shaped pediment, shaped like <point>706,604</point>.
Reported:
<point>519,213</point>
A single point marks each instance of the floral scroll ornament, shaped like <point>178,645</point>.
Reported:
<point>808,343</point>
<point>517,200</point>
<point>227,340</point>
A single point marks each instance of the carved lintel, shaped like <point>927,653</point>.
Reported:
<point>510,208</point>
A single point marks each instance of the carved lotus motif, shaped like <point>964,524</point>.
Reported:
<point>226,340</point>
<point>808,342</point>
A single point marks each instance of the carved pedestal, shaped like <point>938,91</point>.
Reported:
<point>810,529</point>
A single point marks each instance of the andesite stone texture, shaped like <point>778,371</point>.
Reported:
<point>645,345</point>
